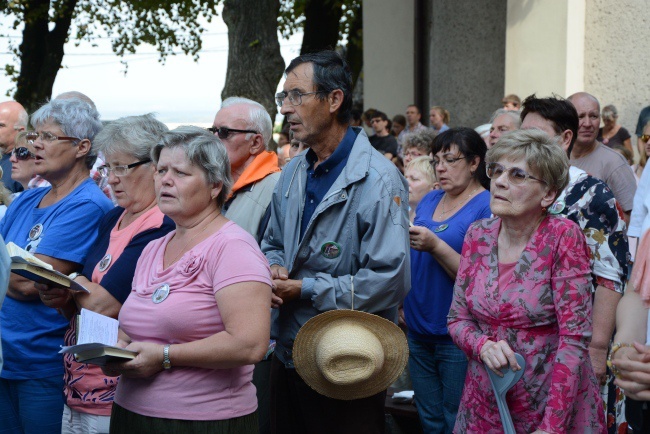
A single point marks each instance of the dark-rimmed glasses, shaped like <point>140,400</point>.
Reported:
<point>224,132</point>
<point>22,153</point>
<point>120,170</point>
<point>294,97</point>
<point>448,161</point>
<point>516,175</point>
<point>32,136</point>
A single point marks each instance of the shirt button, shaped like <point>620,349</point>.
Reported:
<point>311,201</point>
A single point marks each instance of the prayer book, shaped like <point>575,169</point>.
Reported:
<point>96,340</point>
<point>32,268</point>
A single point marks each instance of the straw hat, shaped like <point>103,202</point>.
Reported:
<point>347,354</point>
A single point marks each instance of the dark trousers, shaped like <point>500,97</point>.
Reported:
<point>297,409</point>
<point>637,414</point>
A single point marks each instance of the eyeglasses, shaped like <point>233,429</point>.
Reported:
<point>22,153</point>
<point>46,137</point>
<point>295,97</point>
<point>516,175</point>
<point>224,132</point>
<point>645,137</point>
<point>119,170</point>
<point>448,161</point>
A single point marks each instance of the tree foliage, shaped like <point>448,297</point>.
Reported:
<point>48,24</point>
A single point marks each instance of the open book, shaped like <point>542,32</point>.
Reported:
<point>32,268</point>
<point>96,339</point>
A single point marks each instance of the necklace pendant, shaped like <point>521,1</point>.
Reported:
<point>441,228</point>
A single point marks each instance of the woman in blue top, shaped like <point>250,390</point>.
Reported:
<point>57,224</point>
<point>443,216</point>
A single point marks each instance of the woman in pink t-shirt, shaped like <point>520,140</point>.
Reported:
<point>199,311</point>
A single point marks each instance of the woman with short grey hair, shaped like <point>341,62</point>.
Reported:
<point>205,290</point>
<point>58,224</point>
<point>524,287</point>
<point>612,133</point>
<point>108,272</point>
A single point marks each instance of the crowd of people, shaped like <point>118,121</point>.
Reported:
<point>220,257</point>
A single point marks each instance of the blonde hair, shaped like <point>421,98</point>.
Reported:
<point>444,113</point>
<point>423,165</point>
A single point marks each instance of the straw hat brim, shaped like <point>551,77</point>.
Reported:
<point>390,336</point>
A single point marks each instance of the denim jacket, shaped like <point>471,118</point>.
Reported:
<point>359,232</point>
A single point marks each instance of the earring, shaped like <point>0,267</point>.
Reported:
<point>544,210</point>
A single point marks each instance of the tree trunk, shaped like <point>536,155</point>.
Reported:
<point>255,64</point>
<point>41,51</point>
<point>321,31</point>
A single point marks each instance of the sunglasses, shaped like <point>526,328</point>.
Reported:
<point>645,137</point>
<point>225,132</point>
<point>22,154</point>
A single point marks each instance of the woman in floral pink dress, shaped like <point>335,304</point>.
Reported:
<point>524,286</point>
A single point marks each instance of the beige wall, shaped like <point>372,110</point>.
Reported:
<point>544,44</point>
<point>388,55</point>
<point>617,61</point>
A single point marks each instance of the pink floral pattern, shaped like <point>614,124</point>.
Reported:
<point>544,314</point>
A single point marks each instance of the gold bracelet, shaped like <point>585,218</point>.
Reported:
<point>610,364</point>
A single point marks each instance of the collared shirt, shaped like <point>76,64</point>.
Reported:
<point>320,179</point>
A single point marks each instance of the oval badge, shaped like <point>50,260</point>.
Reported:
<point>35,232</point>
<point>330,250</point>
<point>160,294</point>
<point>557,207</point>
<point>105,262</point>
<point>441,228</point>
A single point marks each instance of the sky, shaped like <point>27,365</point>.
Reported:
<point>181,91</point>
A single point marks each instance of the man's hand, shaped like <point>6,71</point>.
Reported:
<point>287,289</point>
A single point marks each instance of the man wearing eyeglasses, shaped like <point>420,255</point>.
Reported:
<point>337,239</point>
<point>244,126</point>
<point>13,119</point>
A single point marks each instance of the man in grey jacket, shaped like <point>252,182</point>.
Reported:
<point>339,220</point>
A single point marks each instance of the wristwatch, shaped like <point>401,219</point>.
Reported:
<point>167,364</point>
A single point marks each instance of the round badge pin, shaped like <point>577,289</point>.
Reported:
<point>557,207</point>
<point>160,294</point>
<point>35,232</point>
<point>441,228</point>
<point>105,262</point>
<point>330,250</point>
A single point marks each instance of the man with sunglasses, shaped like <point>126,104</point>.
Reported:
<point>591,204</point>
<point>337,239</point>
<point>13,119</point>
<point>244,126</point>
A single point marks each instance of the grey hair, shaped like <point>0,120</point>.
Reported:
<point>543,155</point>
<point>258,118</point>
<point>75,117</point>
<point>514,114</point>
<point>609,113</point>
<point>131,135</point>
<point>204,150</point>
<point>423,140</point>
